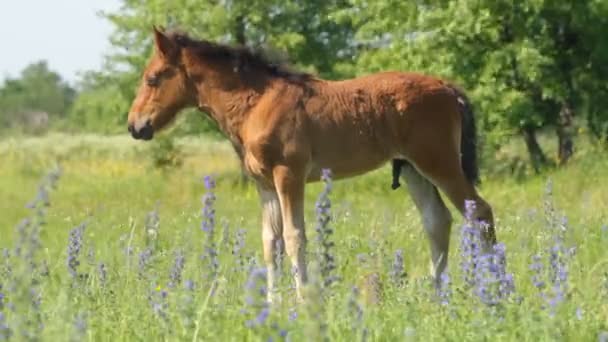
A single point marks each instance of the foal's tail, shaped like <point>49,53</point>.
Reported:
<point>468,138</point>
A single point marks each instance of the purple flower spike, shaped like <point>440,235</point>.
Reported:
<point>74,248</point>
<point>325,255</point>
<point>209,255</point>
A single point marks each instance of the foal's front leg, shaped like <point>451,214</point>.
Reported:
<point>272,230</point>
<point>290,189</point>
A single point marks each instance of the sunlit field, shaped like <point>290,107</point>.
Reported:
<point>98,244</point>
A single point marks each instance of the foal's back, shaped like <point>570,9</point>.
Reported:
<point>356,125</point>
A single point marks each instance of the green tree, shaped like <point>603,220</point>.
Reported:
<point>37,89</point>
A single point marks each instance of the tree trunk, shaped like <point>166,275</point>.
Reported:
<point>537,156</point>
<point>564,130</point>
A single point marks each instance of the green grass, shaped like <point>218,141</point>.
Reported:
<point>110,184</point>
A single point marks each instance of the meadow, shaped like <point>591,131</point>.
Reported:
<point>99,245</point>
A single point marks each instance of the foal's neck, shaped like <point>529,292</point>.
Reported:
<point>229,107</point>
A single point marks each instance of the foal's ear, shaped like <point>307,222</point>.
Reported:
<point>164,45</point>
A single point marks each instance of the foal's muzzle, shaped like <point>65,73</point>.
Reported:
<point>143,131</point>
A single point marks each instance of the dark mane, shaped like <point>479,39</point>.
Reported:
<point>242,57</point>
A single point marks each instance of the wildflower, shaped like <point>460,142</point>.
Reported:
<point>158,301</point>
<point>5,330</point>
<point>444,288</point>
<point>355,311</point>
<point>397,272</point>
<point>485,273</point>
<point>208,200</point>
<point>256,294</point>
<point>552,280</point>
<point>103,273</point>
<point>145,258</point>
<point>80,326</point>
<point>324,232</point>
<point>293,314</point>
<point>74,247</point>
<point>177,269</point>
<point>237,249</point>
<point>469,245</point>
<point>208,226</point>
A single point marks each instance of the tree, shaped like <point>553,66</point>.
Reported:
<point>37,89</point>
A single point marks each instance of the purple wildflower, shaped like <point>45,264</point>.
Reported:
<point>552,280</point>
<point>187,306</point>
<point>103,273</point>
<point>444,290</point>
<point>397,272</point>
<point>293,314</point>
<point>177,269</point>
<point>5,330</point>
<point>208,226</point>
<point>237,250</point>
<point>145,258</point>
<point>208,200</point>
<point>485,273</point>
<point>255,299</point>
<point>23,277</point>
<point>355,311</point>
<point>470,249</point>
<point>493,283</point>
<point>80,326</point>
<point>323,213</point>
<point>159,303</point>
<point>537,272</point>
<point>74,247</point>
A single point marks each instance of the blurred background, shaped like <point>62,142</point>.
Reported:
<point>536,70</point>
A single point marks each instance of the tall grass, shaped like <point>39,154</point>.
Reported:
<point>107,248</point>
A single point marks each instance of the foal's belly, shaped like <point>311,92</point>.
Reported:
<point>347,157</point>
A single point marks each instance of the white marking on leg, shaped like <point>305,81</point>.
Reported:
<point>272,231</point>
<point>436,218</point>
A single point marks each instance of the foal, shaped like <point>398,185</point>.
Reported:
<point>287,126</point>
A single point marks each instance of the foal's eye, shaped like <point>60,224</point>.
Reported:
<point>153,80</point>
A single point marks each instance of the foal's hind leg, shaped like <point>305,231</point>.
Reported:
<point>434,149</point>
<point>436,217</point>
<point>444,170</point>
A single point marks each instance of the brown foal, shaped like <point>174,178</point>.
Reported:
<point>287,126</point>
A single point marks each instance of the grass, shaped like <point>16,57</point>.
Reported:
<point>111,185</point>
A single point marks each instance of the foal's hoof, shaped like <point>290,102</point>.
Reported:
<point>395,186</point>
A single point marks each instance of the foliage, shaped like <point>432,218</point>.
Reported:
<point>37,89</point>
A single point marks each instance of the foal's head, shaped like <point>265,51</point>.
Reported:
<point>164,90</point>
